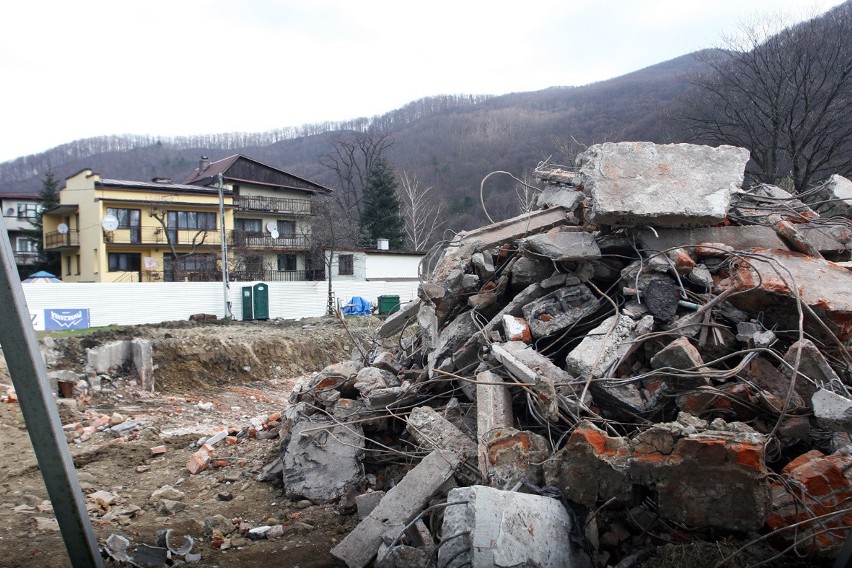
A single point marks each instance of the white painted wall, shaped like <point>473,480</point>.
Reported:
<point>385,265</point>
<point>155,302</point>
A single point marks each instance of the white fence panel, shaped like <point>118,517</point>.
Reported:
<point>155,302</point>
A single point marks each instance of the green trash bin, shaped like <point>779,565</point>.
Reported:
<point>261,301</point>
<point>388,304</point>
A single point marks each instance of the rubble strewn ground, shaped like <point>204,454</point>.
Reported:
<point>651,369</point>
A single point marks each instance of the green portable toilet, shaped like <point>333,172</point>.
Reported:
<point>261,301</point>
<point>388,304</point>
<point>248,303</point>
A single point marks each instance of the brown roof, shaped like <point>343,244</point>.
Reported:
<point>212,170</point>
<point>210,173</point>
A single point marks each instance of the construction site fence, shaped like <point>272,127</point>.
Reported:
<point>155,302</point>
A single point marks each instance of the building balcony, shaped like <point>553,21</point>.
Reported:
<point>281,205</point>
<point>264,241</point>
<point>261,275</point>
<point>55,240</point>
<point>25,258</point>
<point>159,236</point>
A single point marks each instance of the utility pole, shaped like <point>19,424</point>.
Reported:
<point>225,285</point>
<point>29,376</point>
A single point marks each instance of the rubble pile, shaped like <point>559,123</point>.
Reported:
<point>653,355</point>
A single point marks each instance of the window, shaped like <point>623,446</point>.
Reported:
<point>286,228</point>
<point>28,210</point>
<point>192,220</point>
<point>77,265</point>
<point>248,225</point>
<point>68,266</point>
<point>121,262</point>
<point>346,264</point>
<point>23,244</point>
<point>127,218</point>
<point>287,262</point>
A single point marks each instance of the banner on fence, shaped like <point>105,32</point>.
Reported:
<point>66,319</point>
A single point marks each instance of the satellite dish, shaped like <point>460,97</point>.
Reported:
<point>109,223</point>
<point>149,262</point>
<point>274,233</point>
<point>272,227</point>
<point>62,228</point>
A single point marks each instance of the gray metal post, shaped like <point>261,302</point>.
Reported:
<point>223,234</point>
<point>38,407</point>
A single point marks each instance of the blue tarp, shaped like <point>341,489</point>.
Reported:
<point>357,306</point>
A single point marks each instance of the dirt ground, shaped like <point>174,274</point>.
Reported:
<point>209,377</point>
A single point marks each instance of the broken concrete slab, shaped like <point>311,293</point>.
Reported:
<point>562,246</point>
<point>832,411</point>
<point>560,309</point>
<point>143,359</point>
<point>530,367</point>
<point>559,196</point>
<point>493,410</point>
<point>397,321</point>
<point>672,185</point>
<point>526,271</point>
<point>603,345</point>
<point>733,238</point>
<point>109,356</point>
<point>681,355</point>
<point>774,274</point>
<point>831,199</point>
<point>432,431</point>
<point>322,459</point>
<point>493,528</point>
<point>399,505</point>
<point>490,236</point>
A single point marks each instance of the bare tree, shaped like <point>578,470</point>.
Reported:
<point>160,214</point>
<point>782,95</point>
<point>421,212</point>
<point>351,157</point>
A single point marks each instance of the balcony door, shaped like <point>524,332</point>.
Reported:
<point>128,220</point>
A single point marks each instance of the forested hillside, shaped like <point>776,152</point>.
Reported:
<point>449,142</point>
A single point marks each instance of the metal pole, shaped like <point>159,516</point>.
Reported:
<point>225,289</point>
<point>38,407</point>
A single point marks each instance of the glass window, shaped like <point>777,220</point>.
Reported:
<point>192,220</point>
<point>23,244</point>
<point>123,262</point>
<point>346,264</point>
<point>127,218</point>
<point>286,228</point>
<point>287,262</point>
<point>248,225</point>
<point>28,210</point>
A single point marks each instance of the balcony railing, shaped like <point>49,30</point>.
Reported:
<point>25,257</point>
<point>56,240</point>
<point>157,236</point>
<point>273,204</point>
<point>253,240</point>
<point>277,275</point>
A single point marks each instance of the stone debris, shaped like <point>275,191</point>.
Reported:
<point>655,354</point>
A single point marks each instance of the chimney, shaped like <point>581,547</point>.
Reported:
<point>203,164</point>
<point>382,244</point>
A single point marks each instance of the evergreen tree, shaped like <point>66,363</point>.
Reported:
<point>381,218</point>
<point>48,197</point>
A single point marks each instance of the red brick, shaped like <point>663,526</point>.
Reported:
<point>802,459</point>
<point>747,454</point>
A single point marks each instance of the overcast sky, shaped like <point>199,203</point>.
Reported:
<point>76,69</point>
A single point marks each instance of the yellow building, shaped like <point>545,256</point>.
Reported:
<point>110,230</point>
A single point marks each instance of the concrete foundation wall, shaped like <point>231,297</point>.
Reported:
<point>130,304</point>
